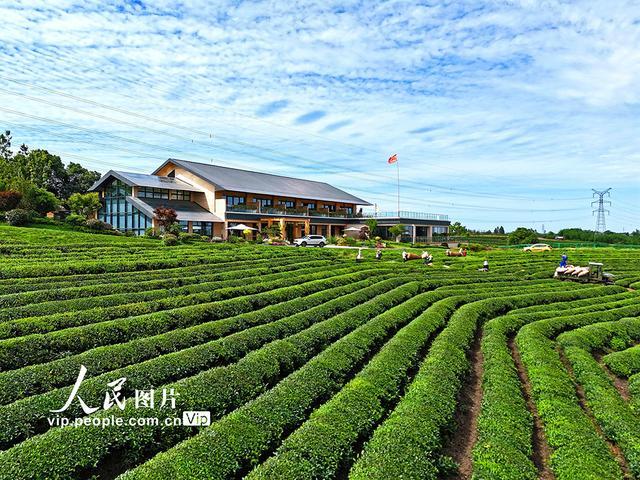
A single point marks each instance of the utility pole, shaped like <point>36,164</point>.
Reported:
<point>601,225</point>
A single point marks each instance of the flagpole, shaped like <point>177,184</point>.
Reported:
<point>398,172</point>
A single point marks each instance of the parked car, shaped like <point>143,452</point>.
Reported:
<point>310,241</point>
<point>538,247</point>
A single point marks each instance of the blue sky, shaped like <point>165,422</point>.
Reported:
<point>501,113</point>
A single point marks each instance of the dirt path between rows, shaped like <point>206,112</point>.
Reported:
<point>621,384</point>
<point>460,445</point>
<point>541,449</point>
<point>613,448</point>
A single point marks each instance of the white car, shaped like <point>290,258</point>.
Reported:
<point>310,241</point>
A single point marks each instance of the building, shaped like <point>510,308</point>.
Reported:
<point>210,198</point>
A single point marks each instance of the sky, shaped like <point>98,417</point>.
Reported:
<point>501,112</point>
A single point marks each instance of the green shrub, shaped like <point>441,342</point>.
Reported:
<point>98,225</point>
<point>169,239</point>
<point>39,200</point>
<point>150,232</point>
<point>174,229</point>
<point>18,217</point>
<point>346,242</point>
<point>76,220</point>
<point>235,239</point>
<point>188,237</point>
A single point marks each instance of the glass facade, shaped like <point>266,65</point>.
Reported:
<point>121,214</point>
<point>202,228</point>
<point>148,192</point>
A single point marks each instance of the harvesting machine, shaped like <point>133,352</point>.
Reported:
<point>590,274</point>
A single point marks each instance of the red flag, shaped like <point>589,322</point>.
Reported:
<point>393,158</point>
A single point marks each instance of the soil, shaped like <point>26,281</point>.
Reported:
<point>460,444</point>
<point>613,448</point>
<point>621,384</point>
<point>541,449</point>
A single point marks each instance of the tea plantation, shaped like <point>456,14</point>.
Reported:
<point>312,365</point>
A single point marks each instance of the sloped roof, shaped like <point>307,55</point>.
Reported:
<point>247,181</point>
<point>144,180</point>
<point>186,210</point>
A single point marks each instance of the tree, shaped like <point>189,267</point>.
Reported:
<point>501,230</point>
<point>38,199</point>
<point>457,229</point>
<point>84,204</point>
<point>522,235</point>
<point>44,170</point>
<point>9,200</point>
<point>79,179</point>
<point>165,217</point>
<point>372,223</point>
<point>397,231</point>
<point>364,233</point>
<point>5,145</point>
<point>273,231</point>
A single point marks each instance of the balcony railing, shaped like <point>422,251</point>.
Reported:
<point>407,214</point>
<point>339,213</point>
<point>293,211</point>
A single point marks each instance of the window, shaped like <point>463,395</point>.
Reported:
<point>184,225</point>
<point>235,200</point>
<point>440,230</point>
<point>148,192</point>
<point>310,205</point>
<point>163,193</point>
<point>288,203</point>
<point>349,210</point>
<point>263,202</point>
<point>119,213</point>
<point>179,195</point>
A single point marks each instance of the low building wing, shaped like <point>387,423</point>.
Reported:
<point>143,180</point>
<point>187,211</point>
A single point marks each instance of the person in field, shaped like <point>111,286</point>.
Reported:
<point>563,260</point>
<point>378,254</point>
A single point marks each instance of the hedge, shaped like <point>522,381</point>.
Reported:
<point>37,348</point>
<point>409,442</point>
<point>219,390</point>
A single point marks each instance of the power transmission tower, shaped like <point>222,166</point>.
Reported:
<point>600,222</point>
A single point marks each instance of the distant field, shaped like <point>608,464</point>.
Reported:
<point>312,365</point>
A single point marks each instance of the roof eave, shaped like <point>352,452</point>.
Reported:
<point>178,162</point>
<point>106,176</point>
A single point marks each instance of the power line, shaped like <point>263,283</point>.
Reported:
<point>125,139</point>
<point>420,185</point>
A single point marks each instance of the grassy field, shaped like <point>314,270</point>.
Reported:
<point>312,365</point>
